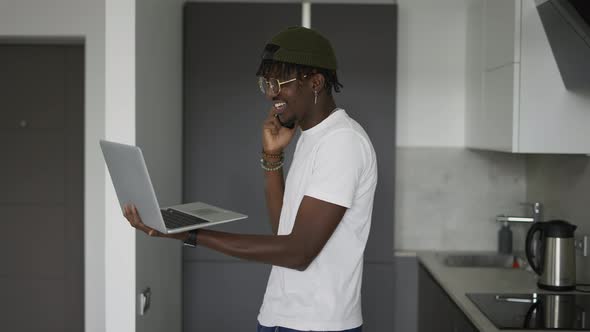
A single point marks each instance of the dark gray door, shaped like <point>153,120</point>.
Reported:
<point>223,118</point>
<point>41,188</point>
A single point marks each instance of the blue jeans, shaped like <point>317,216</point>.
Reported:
<point>284,329</point>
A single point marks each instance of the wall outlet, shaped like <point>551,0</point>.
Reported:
<point>581,244</point>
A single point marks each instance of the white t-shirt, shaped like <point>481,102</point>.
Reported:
<point>335,162</point>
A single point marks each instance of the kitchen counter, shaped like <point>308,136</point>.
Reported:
<point>457,281</point>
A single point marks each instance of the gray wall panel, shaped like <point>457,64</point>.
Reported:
<point>223,296</point>
<point>158,98</point>
<point>364,39</point>
<point>224,109</point>
<point>223,114</point>
<point>378,292</point>
<point>406,294</point>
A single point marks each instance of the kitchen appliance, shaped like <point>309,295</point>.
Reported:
<point>567,27</point>
<point>552,254</point>
<point>535,311</point>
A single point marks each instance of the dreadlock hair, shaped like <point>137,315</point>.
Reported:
<point>286,69</point>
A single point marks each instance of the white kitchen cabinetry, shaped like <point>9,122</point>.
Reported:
<point>516,99</point>
<point>501,30</point>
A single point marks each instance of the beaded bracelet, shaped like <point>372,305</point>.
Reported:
<point>271,163</point>
<point>271,169</point>
<point>269,155</point>
<point>265,164</point>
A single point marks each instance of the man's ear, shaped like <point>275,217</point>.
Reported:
<point>317,82</point>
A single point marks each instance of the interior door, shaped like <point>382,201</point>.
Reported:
<point>41,188</point>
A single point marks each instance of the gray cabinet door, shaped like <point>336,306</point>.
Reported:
<point>223,114</point>
<point>434,307</point>
<point>364,39</point>
<point>41,188</point>
<point>437,312</point>
<point>461,323</point>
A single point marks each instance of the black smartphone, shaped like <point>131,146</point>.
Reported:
<point>290,124</point>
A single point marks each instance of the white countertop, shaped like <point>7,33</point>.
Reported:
<point>458,281</point>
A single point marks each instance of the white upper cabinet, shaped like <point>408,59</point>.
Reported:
<point>502,33</point>
<point>516,100</point>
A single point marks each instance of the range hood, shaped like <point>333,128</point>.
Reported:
<point>567,26</point>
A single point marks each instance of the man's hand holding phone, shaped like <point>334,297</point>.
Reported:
<point>275,136</point>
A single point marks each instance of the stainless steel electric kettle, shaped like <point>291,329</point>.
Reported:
<point>552,254</point>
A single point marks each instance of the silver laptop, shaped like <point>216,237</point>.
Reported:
<point>133,185</point>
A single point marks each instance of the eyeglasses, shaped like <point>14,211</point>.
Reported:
<point>272,86</point>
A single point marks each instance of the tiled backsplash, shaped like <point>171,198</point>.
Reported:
<point>562,183</point>
<point>447,198</point>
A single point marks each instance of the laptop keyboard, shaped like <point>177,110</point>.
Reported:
<point>176,219</point>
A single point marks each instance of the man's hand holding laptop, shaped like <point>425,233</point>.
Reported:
<point>132,215</point>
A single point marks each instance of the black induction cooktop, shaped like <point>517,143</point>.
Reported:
<point>535,311</point>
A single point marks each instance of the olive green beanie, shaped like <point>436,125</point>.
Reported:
<point>301,46</point>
